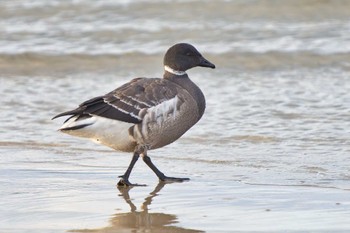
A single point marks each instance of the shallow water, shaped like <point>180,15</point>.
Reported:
<point>269,155</point>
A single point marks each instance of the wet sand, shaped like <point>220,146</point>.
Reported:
<point>59,188</point>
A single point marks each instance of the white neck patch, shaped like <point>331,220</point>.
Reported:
<point>176,72</point>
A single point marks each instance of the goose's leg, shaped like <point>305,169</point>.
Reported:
<point>124,179</point>
<point>160,174</point>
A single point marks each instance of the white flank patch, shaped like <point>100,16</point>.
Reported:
<point>159,113</point>
<point>176,72</point>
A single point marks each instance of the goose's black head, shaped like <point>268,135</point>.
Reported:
<point>181,57</point>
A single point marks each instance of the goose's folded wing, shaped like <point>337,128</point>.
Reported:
<point>125,102</point>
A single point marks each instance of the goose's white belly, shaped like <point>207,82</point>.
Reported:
<point>112,133</point>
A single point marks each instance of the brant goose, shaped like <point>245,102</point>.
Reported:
<point>145,113</point>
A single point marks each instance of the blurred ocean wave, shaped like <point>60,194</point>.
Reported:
<point>30,63</point>
<point>122,27</point>
<point>72,36</point>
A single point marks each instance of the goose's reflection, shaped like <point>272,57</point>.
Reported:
<point>142,220</point>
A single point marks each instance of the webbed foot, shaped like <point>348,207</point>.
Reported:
<point>126,182</point>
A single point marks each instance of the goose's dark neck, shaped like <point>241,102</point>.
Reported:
<point>186,83</point>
